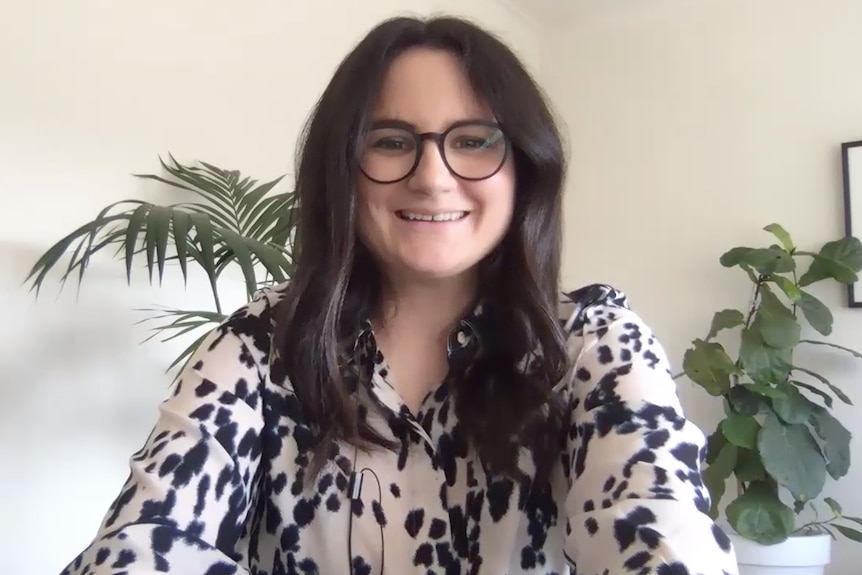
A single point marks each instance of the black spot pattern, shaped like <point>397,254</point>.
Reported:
<point>220,486</point>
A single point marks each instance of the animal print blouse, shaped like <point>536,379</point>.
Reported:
<point>218,487</point>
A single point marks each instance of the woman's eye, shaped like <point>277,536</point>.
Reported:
<point>473,143</point>
<point>392,144</point>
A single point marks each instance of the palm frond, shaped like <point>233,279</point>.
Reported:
<point>183,322</point>
<point>236,221</point>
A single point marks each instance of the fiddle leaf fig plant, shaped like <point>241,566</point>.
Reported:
<point>230,220</point>
<point>779,438</point>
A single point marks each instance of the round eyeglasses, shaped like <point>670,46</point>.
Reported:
<point>471,150</point>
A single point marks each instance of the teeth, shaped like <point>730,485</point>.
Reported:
<point>444,217</point>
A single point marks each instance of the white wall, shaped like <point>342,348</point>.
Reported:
<point>89,93</point>
<point>694,123</point>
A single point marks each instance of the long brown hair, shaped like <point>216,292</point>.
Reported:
<point>336,284</point>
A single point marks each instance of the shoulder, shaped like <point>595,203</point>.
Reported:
<point>608,339</point>
<point>598,320</point>
<point>592,307</point>
<point>249,327</point>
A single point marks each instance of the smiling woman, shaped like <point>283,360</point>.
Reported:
<point>438,194</point>
<point>420,397</point>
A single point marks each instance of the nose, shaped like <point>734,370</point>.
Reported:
<point>431,175</point>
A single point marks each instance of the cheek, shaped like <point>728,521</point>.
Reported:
<point>371,199</point>
<point>498,201</point>
<point>370,212</point>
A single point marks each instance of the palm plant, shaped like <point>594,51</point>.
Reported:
<point>232,220</point>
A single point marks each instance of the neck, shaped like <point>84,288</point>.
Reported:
<point>432,307</point>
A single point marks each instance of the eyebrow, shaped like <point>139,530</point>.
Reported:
<point>398,123</point>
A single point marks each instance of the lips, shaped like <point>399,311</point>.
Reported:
<point>436,217</point>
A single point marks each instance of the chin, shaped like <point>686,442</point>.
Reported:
<point>437,270</point>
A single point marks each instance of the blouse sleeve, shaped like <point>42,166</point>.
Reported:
<point>183,508</point>
<point>636,502</point>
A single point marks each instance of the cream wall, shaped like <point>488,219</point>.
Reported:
<point>89,93</point>
<point>693,124</point>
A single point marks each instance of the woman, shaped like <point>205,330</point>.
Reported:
<point>416,399</point>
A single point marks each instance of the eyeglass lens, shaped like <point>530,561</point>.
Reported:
<point>471,151</point>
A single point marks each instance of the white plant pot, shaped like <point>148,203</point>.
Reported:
<point>799,555</point>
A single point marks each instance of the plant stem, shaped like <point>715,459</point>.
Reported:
<point>811,524</point>
<point>752,309</point>
<point>214,286</point>
<point>796,283</point>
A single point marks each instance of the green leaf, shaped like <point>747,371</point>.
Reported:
<point>781,234</point>
<point>759,515</point>
<point>741,430</point>
<point>791,456</point>
<point>840,260</point>
<point>835,442</point>
<point>824,268</point>
<point>708,365</point>
<point>734,256</point>
<point>163,181</point>
<point>749,467</point>
<point>218,219</point>
<point>827,399</point>
<point>182,222</point>
<point>849,532</point>
<point>764,390</point>
<point>85,248</point>
<point>792,407</point>
<point>243,256</point>
<point>716,474</point>
<point>789,288</point>
<point>725,319</point>
<point>816,313</point>
<point>765,260</point>
<point>181,321</point>
<point>838,393</point>
<point>252,199</point>
<point>213,191</point>
<point>157,235</point>
<point>833,505</point>
<point>246,251</point>
<point>133,228</point>
<point>714,445</point>
<point>852,352</point>
<point>770,303</point>
<point>716,486</point>
<point>746,401</point>
<point>267,214</point>
<point>205,238</point>
<point>847,250</point>
<point>762,363</point>
<point>777,331</point>
<point>725,462</point>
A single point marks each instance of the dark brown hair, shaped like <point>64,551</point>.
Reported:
<point>336,285</point>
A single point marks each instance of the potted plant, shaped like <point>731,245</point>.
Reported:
<point>230,220</point>
<point>778,438</point>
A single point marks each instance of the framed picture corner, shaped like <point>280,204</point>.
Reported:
<point>851,166</point>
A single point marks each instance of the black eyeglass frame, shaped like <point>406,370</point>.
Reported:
<point>438,138</point>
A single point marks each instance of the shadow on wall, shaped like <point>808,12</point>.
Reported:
<point>78,395</point>
<point>59,351</point>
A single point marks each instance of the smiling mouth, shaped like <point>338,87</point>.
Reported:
<point>441,217</point>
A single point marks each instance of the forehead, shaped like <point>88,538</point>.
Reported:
<point>429,89</point>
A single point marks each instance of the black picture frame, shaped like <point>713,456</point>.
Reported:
<point>851,167</point>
